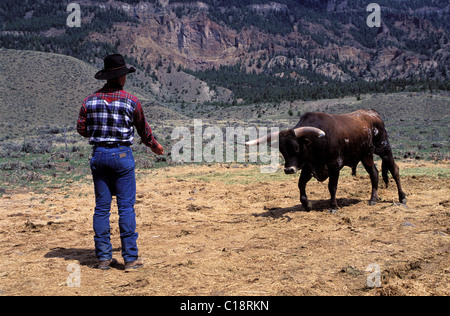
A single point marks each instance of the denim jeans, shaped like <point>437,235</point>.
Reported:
<point>113,174</point>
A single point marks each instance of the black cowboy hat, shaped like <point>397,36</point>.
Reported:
<point>115,67</point>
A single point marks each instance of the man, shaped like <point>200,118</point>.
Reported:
<point>107,118</point>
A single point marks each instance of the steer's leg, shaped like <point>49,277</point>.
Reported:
<point>333,173</point>
<point>393,168</point>
<point>389,164</point>
<point>371,169</point>
<point>383,149</point>
<point>305,176</point>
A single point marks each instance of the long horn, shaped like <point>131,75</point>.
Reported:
<point>303,131</point>
<point>263,140</point>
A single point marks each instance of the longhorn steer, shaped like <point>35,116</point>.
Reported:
<point>322,144</point>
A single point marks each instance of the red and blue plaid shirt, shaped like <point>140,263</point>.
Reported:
<point>109,115</point>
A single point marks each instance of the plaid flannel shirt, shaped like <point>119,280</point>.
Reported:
<point>109,115</point>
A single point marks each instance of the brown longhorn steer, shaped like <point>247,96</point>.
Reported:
<point>321,144</point>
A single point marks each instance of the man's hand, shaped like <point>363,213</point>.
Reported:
<point>158,150</point>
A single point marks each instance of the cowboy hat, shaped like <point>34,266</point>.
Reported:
<point>114,67</point>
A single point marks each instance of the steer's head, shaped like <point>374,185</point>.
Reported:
<point>293,144</point>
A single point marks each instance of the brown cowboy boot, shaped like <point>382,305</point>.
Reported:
<point>133,265</point>
<point>105,265</point>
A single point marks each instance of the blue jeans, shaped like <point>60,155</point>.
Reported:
<point>113,174</point>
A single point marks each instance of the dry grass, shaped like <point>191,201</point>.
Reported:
<point>213,237</point>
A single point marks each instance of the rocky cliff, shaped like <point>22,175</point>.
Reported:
<point>187,34</point>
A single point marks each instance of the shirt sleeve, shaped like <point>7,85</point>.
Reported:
<point>82,121</point>
<point>144,130</point>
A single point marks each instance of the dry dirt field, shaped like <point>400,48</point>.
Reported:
<point>229,230</point>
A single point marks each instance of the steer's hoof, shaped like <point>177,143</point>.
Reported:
<point>403,201</point>
<point>371,203</point>
<point>307,205</point>
<point>332,210</point>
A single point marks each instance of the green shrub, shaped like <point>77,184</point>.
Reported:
<point>36,147</point>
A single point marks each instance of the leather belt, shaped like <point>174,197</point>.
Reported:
<point>111,145</point>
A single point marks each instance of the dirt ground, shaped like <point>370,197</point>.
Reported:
<point>228,230</point>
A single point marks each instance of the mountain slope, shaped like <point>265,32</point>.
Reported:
<point>286,37</point>
<point>44,89</point>
<point>300,42</point>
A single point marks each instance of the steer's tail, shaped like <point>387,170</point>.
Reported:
<point>383,149</point>
<point>384,172</point>
<point>387,160</point>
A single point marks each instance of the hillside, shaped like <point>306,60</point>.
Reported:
<point>285,45</point>
<point>46,90</point>
<point>41,89</point>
